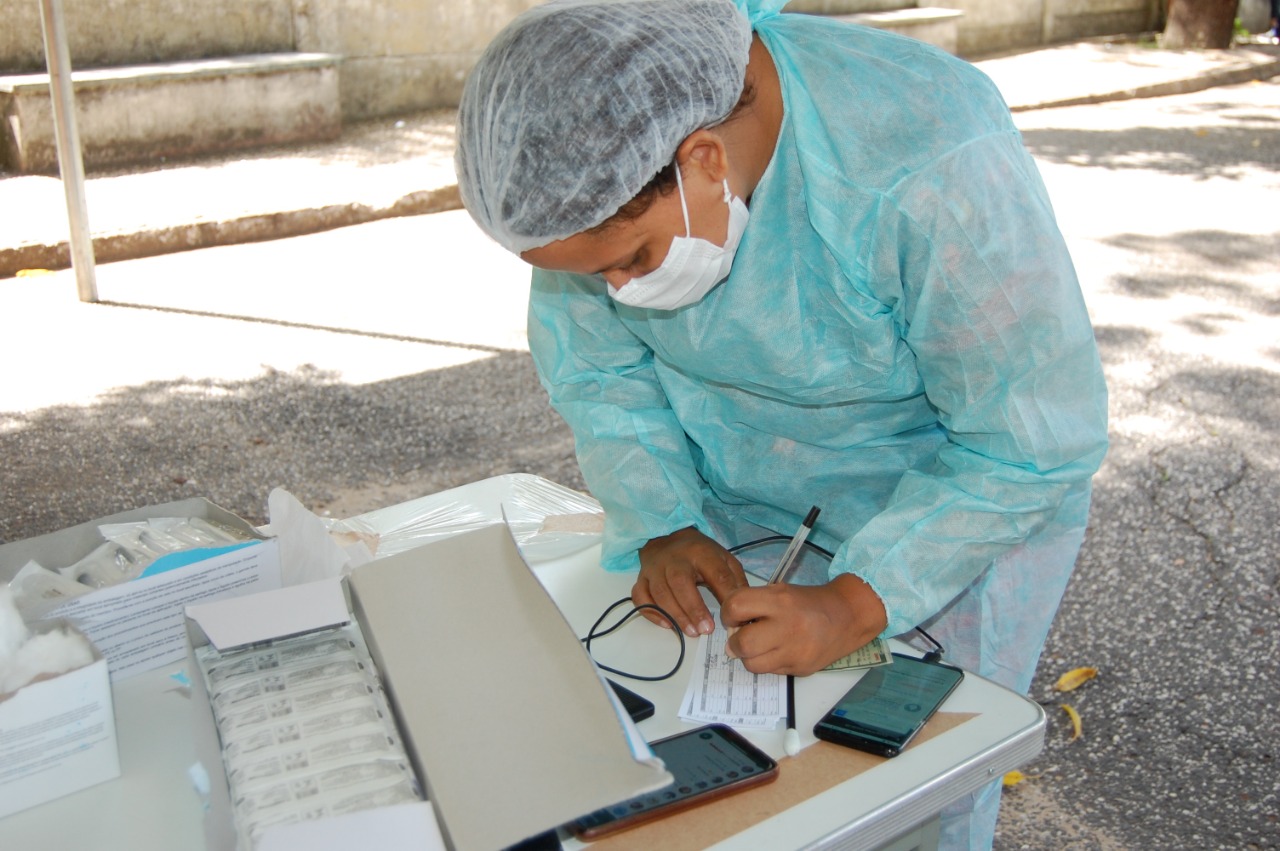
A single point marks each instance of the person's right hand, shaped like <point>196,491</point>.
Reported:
<point>671,569</point>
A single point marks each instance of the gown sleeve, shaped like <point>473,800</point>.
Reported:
<point>631,449</point>
<point>970,255</point>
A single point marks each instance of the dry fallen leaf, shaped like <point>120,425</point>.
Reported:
<point>1013,778</point>
<point>1073,679</point>
<point>1076,727</point>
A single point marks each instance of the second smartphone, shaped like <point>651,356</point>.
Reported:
<point>885,709</point>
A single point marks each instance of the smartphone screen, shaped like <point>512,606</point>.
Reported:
<point>707,763</point>
<point>888,706</point>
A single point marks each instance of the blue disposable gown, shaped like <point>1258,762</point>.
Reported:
<point>902,341</point>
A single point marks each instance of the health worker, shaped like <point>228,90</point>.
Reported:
<point>785,261</point>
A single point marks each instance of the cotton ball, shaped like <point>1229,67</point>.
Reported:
<point>24,656</point>
<point>50,653</point>
<point>12,629</point>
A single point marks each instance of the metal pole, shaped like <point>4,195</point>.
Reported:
<point>70,163</point>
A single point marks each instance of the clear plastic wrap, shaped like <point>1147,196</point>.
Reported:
<point>127,551</point>
<point>548,520</point>
<point>38,590</point>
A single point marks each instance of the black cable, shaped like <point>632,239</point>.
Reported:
<point>773,539</point>
<point>592,635</point>
<point>936,654</point>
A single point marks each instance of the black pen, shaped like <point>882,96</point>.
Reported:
<point>783,570</point>
<point>791,740</point>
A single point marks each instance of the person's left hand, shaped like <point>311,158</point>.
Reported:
<point>671,569</point>
<point>794,629</point>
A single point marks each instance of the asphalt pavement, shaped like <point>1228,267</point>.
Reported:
<point>1169,207</point>
<point>373,356</point>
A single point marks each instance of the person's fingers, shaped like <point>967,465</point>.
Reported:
<point>785,629</point>
<point>746,604</point>
<point>761,646</point>
<point>684,589</point>
<point>640,596</point>
<point>676,594</point>
<point>723,575</point>
<point>728,649</point>
<point>773,662</point>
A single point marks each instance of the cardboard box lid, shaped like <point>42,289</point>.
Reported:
<point>507,717</point>
<point>66,546</point>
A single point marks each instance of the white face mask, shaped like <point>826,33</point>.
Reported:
<point>692,267</point>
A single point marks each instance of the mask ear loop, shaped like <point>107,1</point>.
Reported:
<point>684,208</point>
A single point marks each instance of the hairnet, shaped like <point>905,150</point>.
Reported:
<point>577,104</point>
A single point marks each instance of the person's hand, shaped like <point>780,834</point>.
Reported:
<point>794,629</point>
<point>671,569</point>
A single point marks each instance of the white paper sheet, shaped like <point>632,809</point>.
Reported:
<point>139,625</point>
<point>722,691</point>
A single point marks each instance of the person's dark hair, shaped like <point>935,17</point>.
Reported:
<point>664,182</point>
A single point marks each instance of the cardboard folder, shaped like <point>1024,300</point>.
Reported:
<point>499,703</point>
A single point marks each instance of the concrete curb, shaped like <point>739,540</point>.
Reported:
<point>1223,77</point>
<point>256,227</point>
<point>253,228</point>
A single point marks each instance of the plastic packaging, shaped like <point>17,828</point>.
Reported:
<point>548,520</point>
<point>306,730</point>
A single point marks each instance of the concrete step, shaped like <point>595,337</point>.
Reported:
<point>937,26</point>
<point>147,113</point>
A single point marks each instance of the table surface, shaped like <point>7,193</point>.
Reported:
<point>153,804</point>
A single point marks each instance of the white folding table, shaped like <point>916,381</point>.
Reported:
<point>895,804</point>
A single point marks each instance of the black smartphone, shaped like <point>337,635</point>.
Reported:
<point>707,763</point>
<point>887,707</point>
<point>639,708</point>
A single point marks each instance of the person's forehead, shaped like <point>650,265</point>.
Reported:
<point>583,252</point>
<point>599,249</point>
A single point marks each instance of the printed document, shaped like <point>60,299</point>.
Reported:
<point>722,691</point>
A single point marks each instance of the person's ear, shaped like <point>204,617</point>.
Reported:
<point>703,150</point>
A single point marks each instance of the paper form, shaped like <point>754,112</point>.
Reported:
<point>722,691</point>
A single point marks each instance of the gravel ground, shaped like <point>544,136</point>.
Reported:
<point>340,449</point>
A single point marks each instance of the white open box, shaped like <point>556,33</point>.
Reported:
<point>138,625</point>
<point>509,726</point>
<point>57,736</point>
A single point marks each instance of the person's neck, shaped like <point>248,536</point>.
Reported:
<point>751,138</point>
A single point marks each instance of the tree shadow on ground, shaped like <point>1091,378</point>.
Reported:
<point>1223,275</point>
<point>1115,342</point>
<point>1224,249</point>
<point>1201,152</point>
<point>233,441</point>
